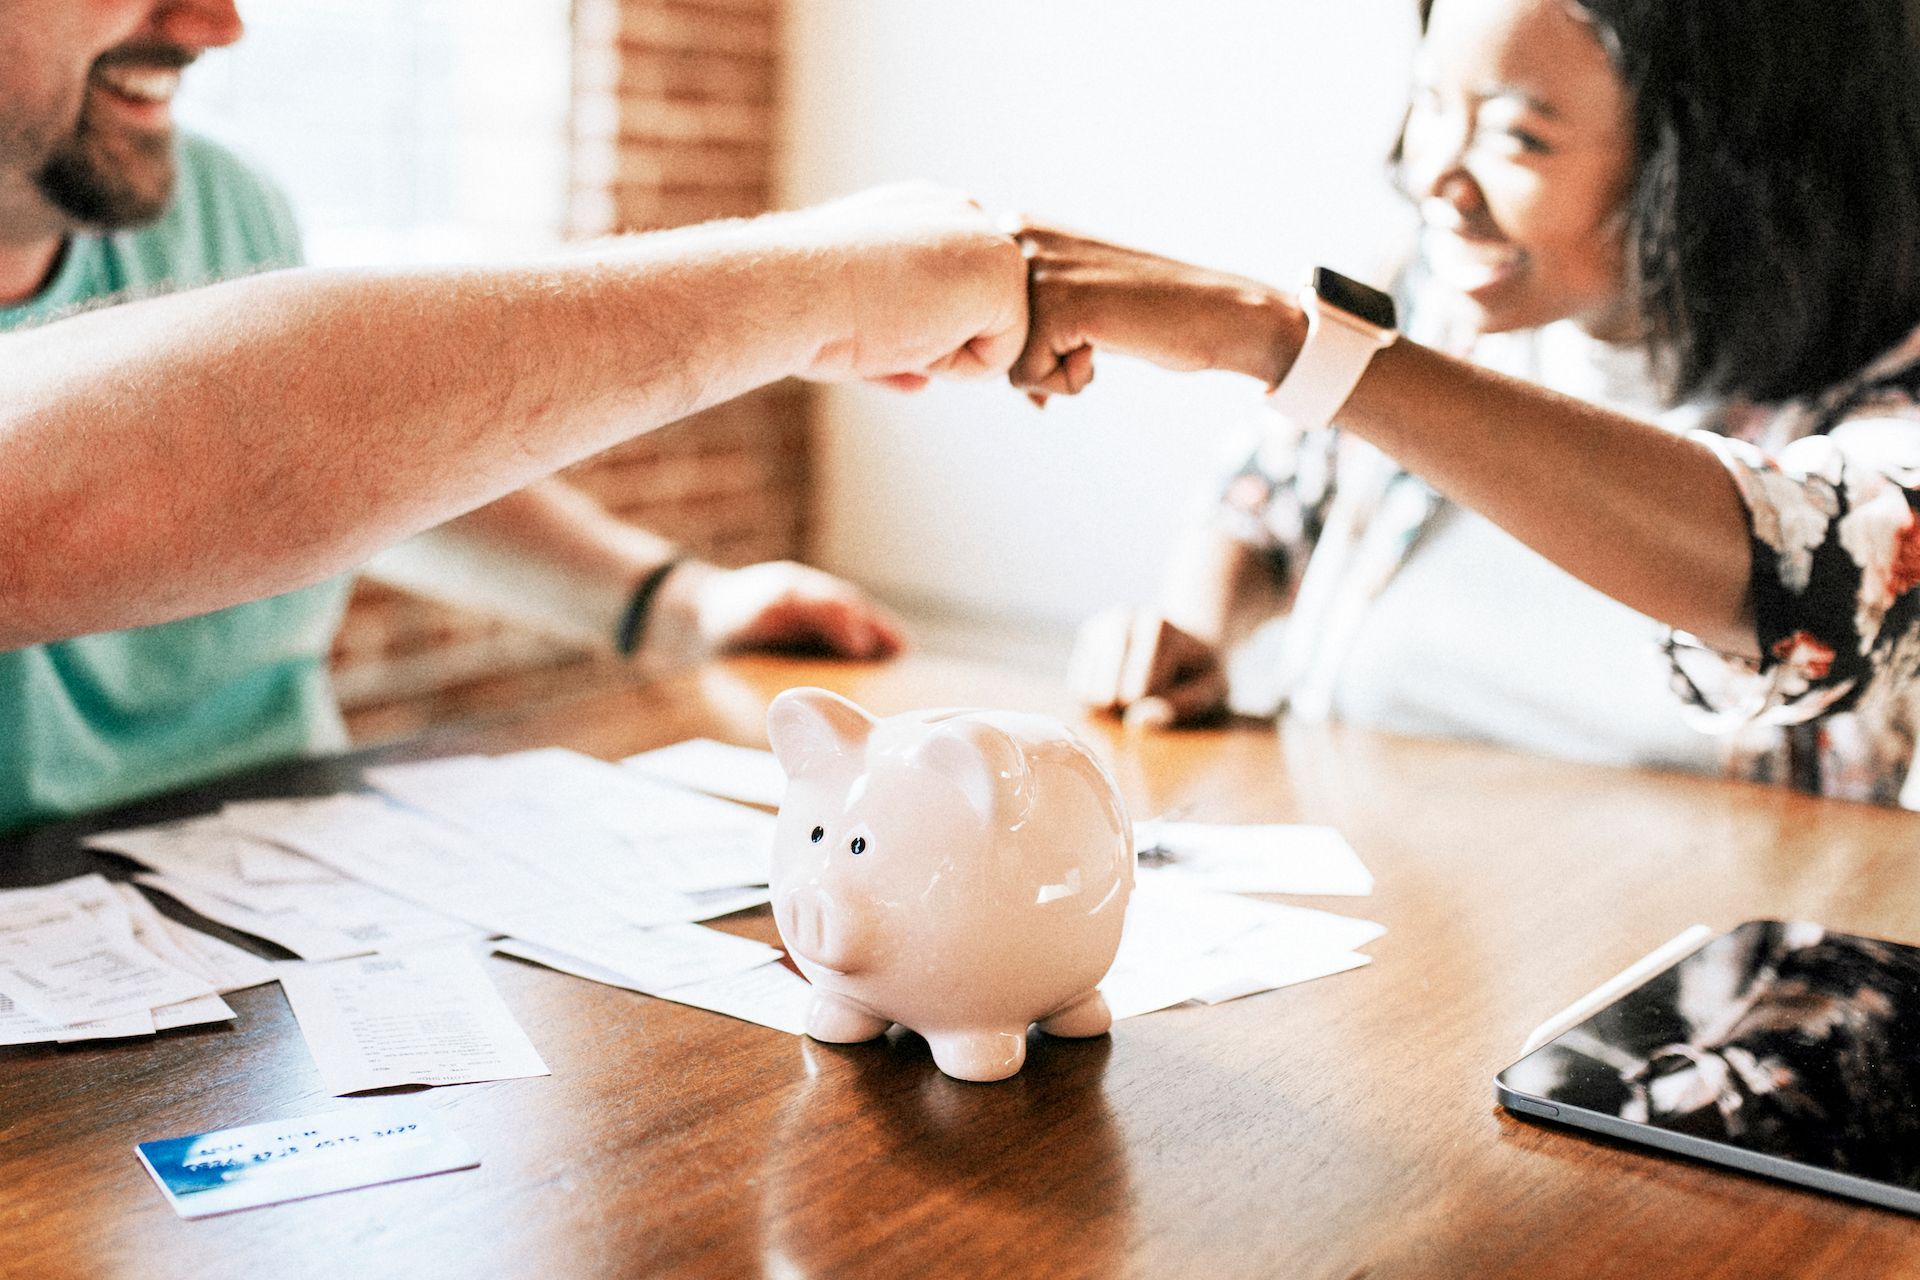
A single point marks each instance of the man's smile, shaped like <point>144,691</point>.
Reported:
<point>138,84</point>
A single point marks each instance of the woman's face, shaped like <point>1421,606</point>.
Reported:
<point>1519,149</point>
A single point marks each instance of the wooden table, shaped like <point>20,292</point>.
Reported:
<point>1340,1128</point>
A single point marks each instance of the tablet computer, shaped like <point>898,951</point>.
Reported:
<point>1780,1048</point>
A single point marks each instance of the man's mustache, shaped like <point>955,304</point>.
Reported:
<point>153,54</point>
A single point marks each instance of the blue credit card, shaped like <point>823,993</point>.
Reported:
<point>380,1140</point>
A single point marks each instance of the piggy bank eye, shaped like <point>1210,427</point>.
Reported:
<point>818,832</point>
<point>859,844</point>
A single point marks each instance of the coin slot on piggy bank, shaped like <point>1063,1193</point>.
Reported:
<point>962,873</point>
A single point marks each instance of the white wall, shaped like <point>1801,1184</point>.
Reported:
<point>1246,134</point>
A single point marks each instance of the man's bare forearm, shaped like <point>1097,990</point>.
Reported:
<point>548,556</point>
<point>177,455</point>
<point>270,432</point>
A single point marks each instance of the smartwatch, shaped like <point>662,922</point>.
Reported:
<point>1346,323</point>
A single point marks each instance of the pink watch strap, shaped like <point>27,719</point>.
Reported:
<point>1335,355</point>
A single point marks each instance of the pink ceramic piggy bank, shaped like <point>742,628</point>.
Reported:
<point>962,873</point>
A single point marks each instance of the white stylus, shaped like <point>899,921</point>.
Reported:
<point>1682,944</point>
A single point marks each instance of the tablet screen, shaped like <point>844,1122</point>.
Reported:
<point>1779,1039</point>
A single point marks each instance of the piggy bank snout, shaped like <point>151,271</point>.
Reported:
<point>818,927</point>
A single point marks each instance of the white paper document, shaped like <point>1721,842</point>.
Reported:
<point>18,1026</point>
<point>293,927</point>
<point>262,863</point>
<point>414,856</point>
<point>222,965</point>
<point>426,1017</point>
<point>717,768</point>
<point>101,966</point>
<point>1271,972</point>
<point>1182,943</point>
<point>1177,918</point>
<point>658,960</point>
<point>165,939</point>
<point>711,904</point>
<point>405,854</point>
<point>192,1013</point>
<point>323,915</point>
<point>596,818</point>
<point>1133,988</point>
<point>510,808</point>
<point>227,967</point>
<point>1266,858</point>
<point>771,995</point>
<point>68,955</point>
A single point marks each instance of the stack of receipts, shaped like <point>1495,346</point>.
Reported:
<point>88,960</point>
<point>605,871</point>
<point>578,863</point>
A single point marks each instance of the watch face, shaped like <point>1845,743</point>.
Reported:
<point>1349,295</point>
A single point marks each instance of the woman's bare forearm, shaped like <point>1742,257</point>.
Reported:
<point>1649,517</point>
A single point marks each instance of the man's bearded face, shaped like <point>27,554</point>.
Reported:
<point>115,168</point>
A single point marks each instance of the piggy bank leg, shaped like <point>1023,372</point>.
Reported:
<point>979,1055</point>
<point>836,1021</point>
<point>1087,1016</point>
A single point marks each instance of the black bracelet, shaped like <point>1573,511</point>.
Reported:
<point>633,623</point>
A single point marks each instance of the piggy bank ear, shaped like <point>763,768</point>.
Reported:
<point>806,726</point>
<point>987,764</point>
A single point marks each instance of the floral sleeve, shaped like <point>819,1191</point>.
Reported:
<point>1275,500</point>
<point>1836,558</point>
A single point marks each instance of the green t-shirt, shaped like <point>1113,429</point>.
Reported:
<point>92,721</point>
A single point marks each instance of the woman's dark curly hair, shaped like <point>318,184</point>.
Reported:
<point>1774,219</point>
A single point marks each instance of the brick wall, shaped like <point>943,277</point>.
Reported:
<point>673,110</point>
<point>672,123</point>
